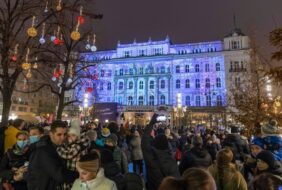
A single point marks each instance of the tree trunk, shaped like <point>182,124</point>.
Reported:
<point>61,105</point>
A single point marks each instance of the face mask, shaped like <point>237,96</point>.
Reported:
<point>33,139</point>
<point>21,144</point>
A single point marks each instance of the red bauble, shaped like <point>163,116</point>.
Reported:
<point>56,75</point>
<point>14,58</point>
<point>60,72</point>
<point>81,19</point>
<point>57,41</point>
<point>89,89</point>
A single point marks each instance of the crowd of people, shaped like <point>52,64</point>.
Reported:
<point>63,156</point>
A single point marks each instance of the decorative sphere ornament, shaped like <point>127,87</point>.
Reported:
<point>57,41</point>
<point>28,75</point>
<point>81,19</point>
<point>32,32</point>
<point>75,35</point>
<point>56,75</point>
<point>42,40</point>
<point>54,78</point>
<point>69,81</point>
<point>26,66</point>
<point>14,58</point>
<point>87,46</point>
<point>93,48</point>
<point>53,38</point>
<point>89,90</point>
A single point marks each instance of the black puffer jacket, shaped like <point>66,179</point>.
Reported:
<point>46,169</point>
<point>237,145</point>
<point>196,157</point>
<point>113,172</point>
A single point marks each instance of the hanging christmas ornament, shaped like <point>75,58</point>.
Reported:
<point>88,46</point>
<point>75,35</point>
<point>46,7</point>
<point>93,47</point>
<point>54,78</point>
<point>32,31</point>
<point>28,75</point>
<point>53,37</point>
<point>59,6</point>
<point>35,66</point>
<point>69,81</point>
<point>26,65</point>
<point>14,57</point>
<point>57,40</point>
<point>89,89</point>
<point>42,39</point>
<point>80,18</point>
<point>56,75</point>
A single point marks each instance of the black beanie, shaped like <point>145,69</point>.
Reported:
<point>267,157</point>
<point>106,156</point>
<point>160,142</point>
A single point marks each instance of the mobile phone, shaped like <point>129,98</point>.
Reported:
<point>161,118</point>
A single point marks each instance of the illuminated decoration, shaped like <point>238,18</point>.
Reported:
<point>88,46</point>
<point>54,78</point>
<point>42,39</point>
<point>46,7</point>
<point>14,57</point>
<point>26,65</point>
<point>32,31</point>
<point>28,75</point>
<point>35,66</point>
<point>75,35</point>
<point>80,18</point>
<point>59,6</point>
<point>93,47</point>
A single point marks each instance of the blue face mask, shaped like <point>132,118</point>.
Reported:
<point>22,144</point>
<point>33,139</point>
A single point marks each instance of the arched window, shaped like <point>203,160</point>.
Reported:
<point>208,100</point>
<point>218,82</point>
<point>217,67</point>
<point>151,100</point>
<point>121,72</point>
<point>177,83</point>
<point>162,84</point>
<point>187,83</point>
<point>197,68</point>
<point>177,69</point>
<point>162,69</point>
<point>187,101</point>
<point>198,101</point>
<point>198,83</point>
<point>130,101</point>
<point>162,102</point>
<point>219,100</point>
<point>130,85</point>
<point>208,83</point>
<point>141,85</point>
<point>207,68</point>
<point>141,100</point>
<point>120,85</point>
<point>152,84</point>
<point>186,68</point>
<point>109,86</point>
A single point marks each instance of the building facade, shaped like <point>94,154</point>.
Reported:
<point>158,76</point>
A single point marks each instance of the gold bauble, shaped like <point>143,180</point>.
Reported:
<point>28,75</point>
<point>32,32</point>
<point>26,66</point>
<point>75,35</point>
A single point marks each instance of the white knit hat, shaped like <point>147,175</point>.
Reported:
<point>75,127</point>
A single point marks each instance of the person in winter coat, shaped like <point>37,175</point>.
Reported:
<point>12,166</point>
<point>172,141</point>
<point>91,175</point>
<point>196,157</point>
<point>266,163</point>
<point>267,181</point>
<point>225,173</point>
<point>46,168</point>
<point>157,166</point>
<point>11,133</point>
<point>111,169</point>
<point>118,154</point>
<point>136,153</point>
<point>72,149</point>
<point>213,146</point>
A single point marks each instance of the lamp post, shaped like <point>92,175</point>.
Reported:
<point>85,106</point>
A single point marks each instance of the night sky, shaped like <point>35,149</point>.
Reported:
<point>183,20</point>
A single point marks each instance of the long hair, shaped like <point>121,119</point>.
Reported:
<point>223,160</point>
<point>267,181</point>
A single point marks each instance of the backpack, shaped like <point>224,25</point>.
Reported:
<point>134,182</point>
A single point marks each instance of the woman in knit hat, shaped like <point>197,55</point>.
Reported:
<point>225,173</point>
<point>267,163</point>
<point>91,175</point>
